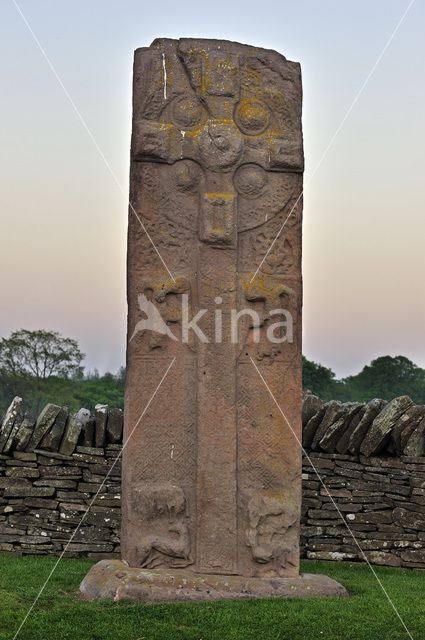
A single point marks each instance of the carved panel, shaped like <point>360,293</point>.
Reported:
<point>270,519</point>
<point>166,539</point>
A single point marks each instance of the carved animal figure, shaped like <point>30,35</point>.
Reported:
<point>153,501</point>
<point>169,545</point>
<point>269,520</point>
<point>165,506</point>
<point>153,320</point>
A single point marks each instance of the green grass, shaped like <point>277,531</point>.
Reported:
<point>59,614</point>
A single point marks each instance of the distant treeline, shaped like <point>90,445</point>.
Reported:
<point>86,391</point>
<point>386,377</point>
<point>43,366</point>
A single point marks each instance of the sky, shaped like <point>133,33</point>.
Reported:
<point>64,215</point>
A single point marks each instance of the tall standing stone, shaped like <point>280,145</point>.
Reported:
<point>216,170</point>
<point>211,470</point>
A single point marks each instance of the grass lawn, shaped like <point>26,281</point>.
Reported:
<point>60,614</point>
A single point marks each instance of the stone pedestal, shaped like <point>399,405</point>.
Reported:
<point>212,472</point>
<point>113,580</point>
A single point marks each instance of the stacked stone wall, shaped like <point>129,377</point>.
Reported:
<point>55,470</point>
<point>60,468</point>
<point>380,500</point>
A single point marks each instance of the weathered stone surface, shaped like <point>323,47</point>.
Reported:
<point>373,488</point>
<point>57,471</point>
<point>334,556</point>
<point>10,462</point>
<point>85,547</point>
<point>373,408</point>
<point>75,496</point>
<point>414,555</point>
<point>59,484</point>
<point>87,434</point>
<point>114,426</point>
<point>344,441</point>
<point>415,444</point>
<point>50,457</point>
<point>44,422</point>
<point>6,482</point>
<point>53,437</point>
<point>378,517</point>
<point>113,580</point>
<point>405,425</point>
<point>381,557</point>
<point>27,456</point>
<point>334,411</point>
<point>101,417</point>
<point>337,428</point>
<point>90,487</point>
<point>310,428</point>
<point>217,155</point>
<point>311,405</point>
<point>22,472</point>
<point>40,503</point>
<point>383,424</point>
<point>72,431</point>
<point>24,433</point>
<point>12,439</point>
<point>409,519</point>
<point>28,491</point>
<point>99,452</point>
<point>9,419</point>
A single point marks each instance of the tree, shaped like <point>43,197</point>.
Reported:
<point>103,390</point>
<point>388,377</point>
<point>120,376</point>
<point>319,380</point>
<point>36,363</point>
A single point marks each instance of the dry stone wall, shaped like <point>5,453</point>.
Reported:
<point>363,472</point>
<point>51,471</point>
<point>380,500</point>
<point>364,476</point>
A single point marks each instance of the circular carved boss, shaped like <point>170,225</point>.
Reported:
<point>252,116</point>
<point>186,112</point>
<point>187,175</point>
<point>250,180</point>
<point>220,145</point>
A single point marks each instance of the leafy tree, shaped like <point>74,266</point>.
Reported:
<point>120,376</point>
<point>94,389</point>
<point>319,380</point>
<point>38,364</point>
<point>105,389</point>
<point>387,377</point>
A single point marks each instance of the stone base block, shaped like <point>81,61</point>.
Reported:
<point>113,580</point>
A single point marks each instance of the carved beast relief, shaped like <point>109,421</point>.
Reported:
<point>166,537</point>
<point>270,299</point>
<point>270,520</point>
<point>160,305</point>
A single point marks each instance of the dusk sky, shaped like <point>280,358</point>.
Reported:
<point>64,218</point>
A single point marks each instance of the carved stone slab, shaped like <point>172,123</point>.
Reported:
<point>212,474</point>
